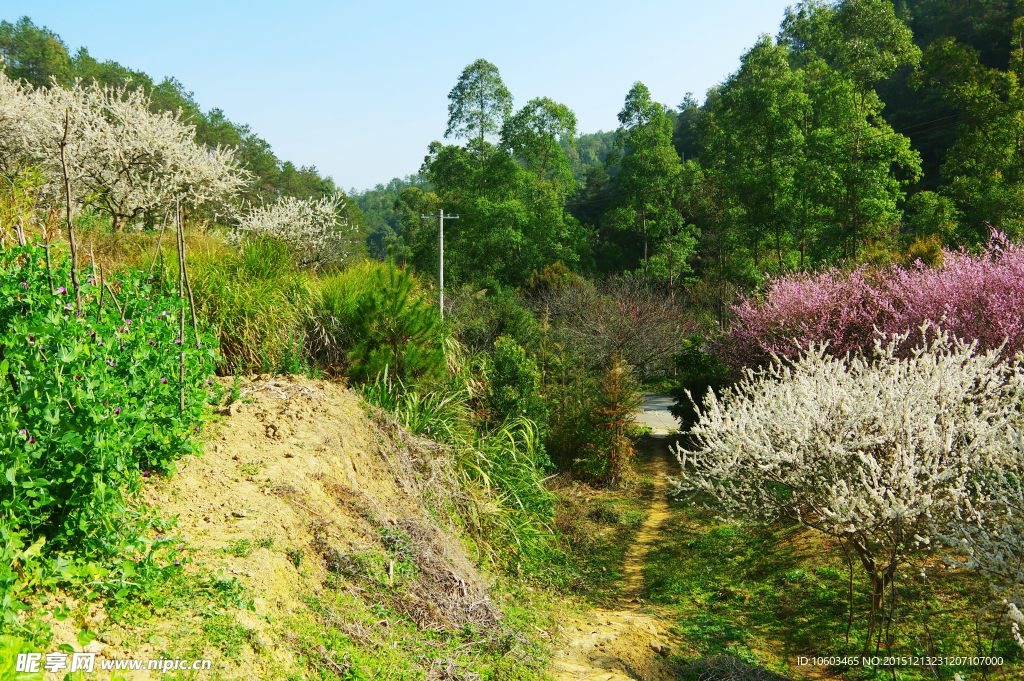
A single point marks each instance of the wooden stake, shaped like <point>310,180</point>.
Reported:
<point>181,296</point>
<point>71,229</point>
<point>158,241</point>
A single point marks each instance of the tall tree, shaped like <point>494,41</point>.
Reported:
<point>845,50</point>
<point>33,54</point>
<point>478,104</point>
<point>648,168</point>
<point>536,135</point>
<point>985,165</point>
<point>756,143</point>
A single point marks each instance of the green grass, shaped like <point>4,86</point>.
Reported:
<point>593,532</point>
<point>257,300</point>
<point>357,635</point>
<point>240,548</point>
<point>768,595</point>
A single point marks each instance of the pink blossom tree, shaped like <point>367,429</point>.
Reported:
<point>973,296</point>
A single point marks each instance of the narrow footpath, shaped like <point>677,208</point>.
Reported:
<point>630,641</point>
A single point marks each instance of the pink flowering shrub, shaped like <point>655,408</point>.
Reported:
<point>974,297</point>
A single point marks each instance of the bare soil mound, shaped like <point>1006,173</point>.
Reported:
<point>297,475</point>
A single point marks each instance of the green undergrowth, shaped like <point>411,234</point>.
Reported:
<point>767,596</point>
<point>594,529</point>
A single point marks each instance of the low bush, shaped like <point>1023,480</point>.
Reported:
<point>513,389</point>
<point>697,372</point>
<point>479,317</point>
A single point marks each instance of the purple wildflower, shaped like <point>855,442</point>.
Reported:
<point>117,410</point>
<point>163,379</point>
<point>61,290</point>
<point>22,432</point>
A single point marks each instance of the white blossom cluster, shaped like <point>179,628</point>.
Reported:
<point>990,536</point>
<point>314,228</point>
<point>883,453</point>
<point>120,156</point>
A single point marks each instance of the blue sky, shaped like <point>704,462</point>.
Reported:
<point>359,89</point>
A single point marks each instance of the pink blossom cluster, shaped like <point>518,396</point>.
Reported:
<point>974,297</point>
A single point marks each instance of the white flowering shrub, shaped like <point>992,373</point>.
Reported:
<point>880,454</point>
<point>315,229</point>
<point>990,535</point>
<point>120,157</point>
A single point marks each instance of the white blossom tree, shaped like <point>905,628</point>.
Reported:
<point>120,156</point>
<point>315,229</point>
<point>880,454</point>
<point>989,536</point>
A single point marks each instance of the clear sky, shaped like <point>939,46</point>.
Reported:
<point>359,89</point>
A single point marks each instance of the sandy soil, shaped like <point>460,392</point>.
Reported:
<point>294,461</point>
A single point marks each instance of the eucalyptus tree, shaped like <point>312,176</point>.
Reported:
<point>478,105</point>
<point>858,163</point>
<point>755,144</point>
<point>510,197</point>
<point>648,169</point>
<point>986,163</point>
<point>537,135</point>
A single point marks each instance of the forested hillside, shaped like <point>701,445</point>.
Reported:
<point>857,131</point>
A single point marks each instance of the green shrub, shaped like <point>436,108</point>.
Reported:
<point>479,317</point>
<point>90,402</point>
<point>514,388</point>
<point>609,452</point>
<point>374,317</point>
<point>697,372</point>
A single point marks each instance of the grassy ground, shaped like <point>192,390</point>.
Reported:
<point>768,596</point>
<point>595,529</point>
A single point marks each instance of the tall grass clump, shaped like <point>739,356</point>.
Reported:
<point>256,299</point>
<point>501,499</point>
<point>974,297</point>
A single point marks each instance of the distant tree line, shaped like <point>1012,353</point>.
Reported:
<point>863,131</point>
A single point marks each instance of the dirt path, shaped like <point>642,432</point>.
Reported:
<point>630,640</point>
<point>658,469</point>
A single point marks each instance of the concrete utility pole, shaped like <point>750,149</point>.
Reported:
<point>440,253</point>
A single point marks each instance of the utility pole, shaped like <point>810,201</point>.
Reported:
<point>440,253</point>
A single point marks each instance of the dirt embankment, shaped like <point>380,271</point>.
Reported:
<point>296,468</point>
